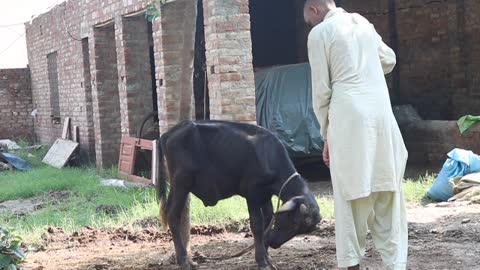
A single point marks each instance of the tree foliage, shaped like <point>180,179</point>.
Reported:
<point>154,10</point>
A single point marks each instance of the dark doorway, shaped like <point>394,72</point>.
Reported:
<point>274,32</point>
<point>53,82</point>
<point>200,80</point>
<point>152,70</point>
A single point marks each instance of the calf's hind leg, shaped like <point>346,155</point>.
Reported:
<point>178,217</point>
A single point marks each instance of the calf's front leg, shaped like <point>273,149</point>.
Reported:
<point>267,212</point>
<point>258,228</point>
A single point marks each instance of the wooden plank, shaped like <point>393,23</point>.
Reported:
<point>138,179</point>
<point>126,161</point>
<point>60,153</point>
<point>145,144</point>
<point>155,164</point>
<point>66,128</point>
<point>128,153</point>
<point>76,137</point>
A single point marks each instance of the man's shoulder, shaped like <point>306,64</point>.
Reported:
<point>359,17</point>
<point>320,30</point>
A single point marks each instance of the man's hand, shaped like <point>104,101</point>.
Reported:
<point>326,156</point>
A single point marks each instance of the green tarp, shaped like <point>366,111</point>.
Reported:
<point>284,106</point>
<point>467,122</point>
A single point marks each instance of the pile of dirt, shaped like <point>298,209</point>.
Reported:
<point>242,226</point>
<point>88,235</point>
<point>207,230</point>
<point>149,222</point>
<point>146,235</point>
<point>58,196</point>
<point>22,207</point>
<point>325,229</point>
<point>110,210</point>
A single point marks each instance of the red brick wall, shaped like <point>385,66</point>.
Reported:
<point>106,110</point>
<point>229,60</point>
<point>438,59</point>
<point>174,45</point>
<point>103,107</point>
<point>15,104</point>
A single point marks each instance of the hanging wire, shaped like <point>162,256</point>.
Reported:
<point>11,44</point>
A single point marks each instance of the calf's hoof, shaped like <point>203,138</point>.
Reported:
<point>188,266</point>
<point>268,267</point>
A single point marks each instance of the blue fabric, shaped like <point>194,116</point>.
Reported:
<point>459,163</point>
<point>16,162</point>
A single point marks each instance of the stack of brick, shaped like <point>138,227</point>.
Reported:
<point>15,104</point>
<point>229,60</point>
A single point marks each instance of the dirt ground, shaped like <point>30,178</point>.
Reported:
<point>440,236</point>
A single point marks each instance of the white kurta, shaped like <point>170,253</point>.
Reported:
<point>351,101</point>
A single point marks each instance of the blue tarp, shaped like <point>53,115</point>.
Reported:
<point>15,161</point>
<point>459,163</point>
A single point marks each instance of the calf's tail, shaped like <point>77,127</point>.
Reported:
<point>162,187</point>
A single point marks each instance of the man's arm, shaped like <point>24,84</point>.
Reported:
<point>387,55</point>
<point>321,85</point>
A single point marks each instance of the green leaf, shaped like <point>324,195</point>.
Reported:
<point>4,261</point>
<point>11,267</point>
<point>18,251</point>
<point>153,12</point>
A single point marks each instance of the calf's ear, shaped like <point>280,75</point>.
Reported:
<point>288,206</point>
<point>303,208</point>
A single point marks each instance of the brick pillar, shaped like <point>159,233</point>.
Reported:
<point>134,84</point>
<point>229,60</point>
<point>87,130</point>
<point>174,38</point>
<point>105,97</point>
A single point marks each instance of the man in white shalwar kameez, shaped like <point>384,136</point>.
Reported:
<point>363,144</point>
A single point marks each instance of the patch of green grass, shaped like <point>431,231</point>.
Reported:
<point>233,209</point>
<point>17,184</point>
<point>415,189</point>
<point>34,157</point>
<point>325,202</point>
<point>88,196</point>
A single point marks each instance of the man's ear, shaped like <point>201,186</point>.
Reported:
<point>314,9</point>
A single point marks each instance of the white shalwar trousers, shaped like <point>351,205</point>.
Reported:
<point>384,214</point>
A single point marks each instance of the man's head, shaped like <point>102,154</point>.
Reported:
<point>315,11</point>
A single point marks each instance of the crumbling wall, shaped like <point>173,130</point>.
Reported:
<point>438,60</point>
<point>15,104</point>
